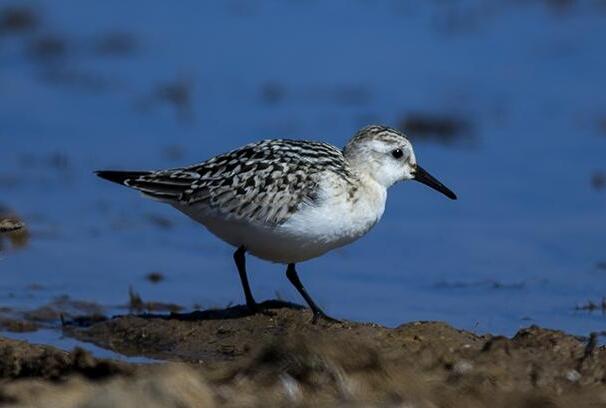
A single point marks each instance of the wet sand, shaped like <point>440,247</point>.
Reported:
<point>227,357</point>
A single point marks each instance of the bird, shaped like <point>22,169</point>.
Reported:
<point>287,201</point>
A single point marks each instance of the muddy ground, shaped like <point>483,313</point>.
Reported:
<point>230,358</point>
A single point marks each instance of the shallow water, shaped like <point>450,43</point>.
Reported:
<point>49,336</point>
<point>519,247</point>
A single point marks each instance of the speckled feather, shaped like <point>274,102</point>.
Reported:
<point>266,181</point>
<point>288,201</point>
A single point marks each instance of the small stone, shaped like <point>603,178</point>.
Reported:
<point>154,277</point>
<point>572,376</point>
<point>7,225</point>
<point>291,387</point>
<point>462,367</point>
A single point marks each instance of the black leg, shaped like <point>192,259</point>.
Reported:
<point>291,274</point>
<point>240,259</point>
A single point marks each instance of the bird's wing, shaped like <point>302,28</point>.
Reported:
<point>265,181</point>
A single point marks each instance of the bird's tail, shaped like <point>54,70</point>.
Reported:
<point>121,177</point>
<point>163,186</point>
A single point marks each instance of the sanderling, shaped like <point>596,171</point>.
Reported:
<point>288,201</point>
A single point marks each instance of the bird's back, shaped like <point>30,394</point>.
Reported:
<point>263,182</point>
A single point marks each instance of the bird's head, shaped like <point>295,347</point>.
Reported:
<point>387,156</point>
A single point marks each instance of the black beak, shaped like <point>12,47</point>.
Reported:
<point>424,177</point>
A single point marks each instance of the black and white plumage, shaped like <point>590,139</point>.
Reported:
<point>288,200</point>
<point>264,182</point>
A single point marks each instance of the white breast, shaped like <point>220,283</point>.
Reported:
<point>337,220</point>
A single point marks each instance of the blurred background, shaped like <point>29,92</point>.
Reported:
<point>504,101</point>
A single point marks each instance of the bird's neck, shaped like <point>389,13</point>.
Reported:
<point>371,194</point>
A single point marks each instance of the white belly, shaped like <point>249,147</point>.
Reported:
<point>307,234</point>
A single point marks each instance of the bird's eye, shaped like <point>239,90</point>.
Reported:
<point>397,153</point>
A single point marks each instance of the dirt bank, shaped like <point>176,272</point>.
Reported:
<point>229,358</point>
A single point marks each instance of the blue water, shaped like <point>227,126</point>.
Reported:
<point>519,247</point>
<point>48,336</point>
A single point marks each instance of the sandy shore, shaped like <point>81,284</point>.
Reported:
<point>229,358</point>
